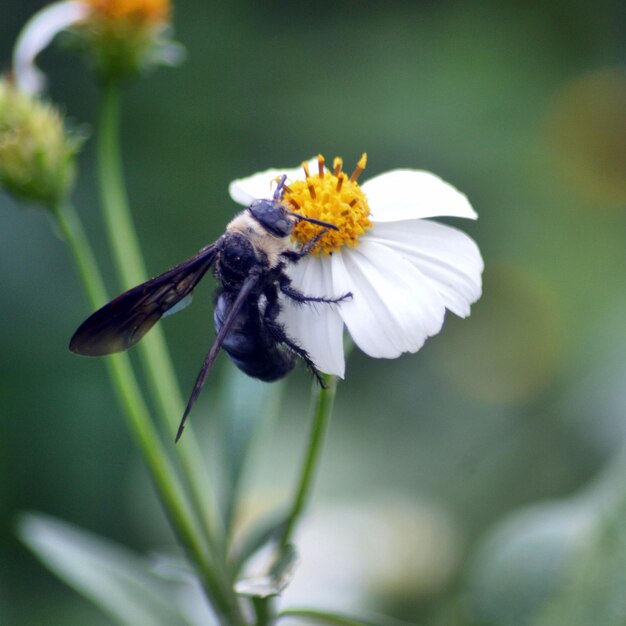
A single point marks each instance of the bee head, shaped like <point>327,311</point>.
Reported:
<point>273,216</point>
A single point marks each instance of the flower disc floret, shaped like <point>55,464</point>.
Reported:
<point>125,37</point>
<point>120,38</point>
<point>331,197</point>
<point>138,11</point>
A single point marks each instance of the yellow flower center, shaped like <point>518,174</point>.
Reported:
<point>140,11</point>
<point>331,197</point>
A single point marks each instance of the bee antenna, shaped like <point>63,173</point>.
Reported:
<point>312,220</point>
<point>279,189</point>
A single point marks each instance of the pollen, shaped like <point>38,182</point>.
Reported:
<point>139,11</point>
<point>331,196</point>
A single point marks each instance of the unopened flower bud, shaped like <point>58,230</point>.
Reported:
<point>37,152</point>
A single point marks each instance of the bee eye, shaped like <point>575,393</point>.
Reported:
<point>284,226</point>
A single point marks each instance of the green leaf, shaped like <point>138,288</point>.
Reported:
<point>326,618</point>
<point>119,582</point>
<point>277,578</point>
<point>522,562</point>
<point>593,589</point>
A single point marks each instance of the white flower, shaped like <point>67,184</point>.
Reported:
<point>36,35</point>
<point>120,37</point>
<point>403,270</point>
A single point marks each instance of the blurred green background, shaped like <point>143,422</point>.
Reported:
<point>522,105</point>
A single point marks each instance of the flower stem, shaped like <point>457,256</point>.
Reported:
<point>263,611</point>
<point>153,349</point>
<point>324,399</point>
<point>325,618</point>
<point>140,424</point>
<point>320,617</point>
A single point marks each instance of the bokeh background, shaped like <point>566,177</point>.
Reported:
<point>483,476</point>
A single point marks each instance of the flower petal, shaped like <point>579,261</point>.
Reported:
<point>446,256</point>
<point>413,194</point>
<point>36,35</point>
<point>262,184</point>
<point>317,327</point>
<point>394,307</point>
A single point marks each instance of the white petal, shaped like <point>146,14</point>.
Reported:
<point>446,256</point>
<point>413,194</point>
<point>38,32</point>
<point>262,184</point>
<point>318,328</point>
<point>394,307</point>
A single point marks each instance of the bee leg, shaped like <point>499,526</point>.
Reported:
<point>270,318</point>
<point>295,255</point>
<point>296,295</point>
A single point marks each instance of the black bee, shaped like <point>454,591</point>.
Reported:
<point>248,262</point>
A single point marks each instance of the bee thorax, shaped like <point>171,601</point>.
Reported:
<point>264,242</point>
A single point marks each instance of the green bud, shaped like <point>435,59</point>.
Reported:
<point>37,152</point>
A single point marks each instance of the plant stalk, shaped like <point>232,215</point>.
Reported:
<point>153,349</point>
<point>324,399</point>
<point>140,424</point>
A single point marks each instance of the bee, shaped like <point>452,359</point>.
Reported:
<point>248,262</point>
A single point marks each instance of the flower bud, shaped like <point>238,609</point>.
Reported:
<point>119,37</point>
<point>124,37</point>
<point>37,152</point>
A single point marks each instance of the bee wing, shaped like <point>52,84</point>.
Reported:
<point>246,288</point>
<point>122,322</point>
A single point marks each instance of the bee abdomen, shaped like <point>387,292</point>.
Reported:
<point>250,344</point>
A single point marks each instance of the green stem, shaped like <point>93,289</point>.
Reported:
<point>140,424</point>
<point>325,618</point>
<point>320,617</point>
<point>324,400</point>
<point>153,349</point>
<point>263,611</point>
<point>323,405</point>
